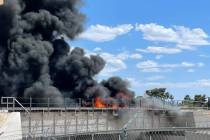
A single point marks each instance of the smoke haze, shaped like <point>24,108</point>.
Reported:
<point>35,61</point>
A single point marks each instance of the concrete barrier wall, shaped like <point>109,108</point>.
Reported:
<point>71,122</point>
<point>44,123</point>
<point>10,126</point>
<point>201,118</point>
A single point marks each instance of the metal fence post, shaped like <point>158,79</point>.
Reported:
<point>54,123</point>
<point>152,119</point>
<point>80,103</point>
<point>76,121</point>
<point>65,126</point>
<point>143,120</point>
<point>107,121</point>
<point>119,137</point>
<point>87,120</point>
<point>13,99</point>
<point>93,104</point>
<point>7,104</point>
<point>30,116</point>
<point>42,116</point>
<point>150,137</point>
<point>48,104</point>
<point>125,134</point>
<point>97,122</point>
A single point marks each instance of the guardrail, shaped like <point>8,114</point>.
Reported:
<point>12,102</point>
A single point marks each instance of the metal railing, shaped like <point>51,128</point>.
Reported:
<point>135,134</point>
<point>11,103</point>
<point>132,134</point>
<point>80,119</point>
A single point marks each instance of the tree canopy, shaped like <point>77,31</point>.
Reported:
<point>160,93</point>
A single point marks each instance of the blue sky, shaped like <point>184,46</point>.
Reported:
<point>151,43</point>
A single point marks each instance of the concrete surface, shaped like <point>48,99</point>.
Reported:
<point>10,126</point>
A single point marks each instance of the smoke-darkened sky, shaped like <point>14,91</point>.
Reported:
<point>151,43</point>
<point>36,60</point>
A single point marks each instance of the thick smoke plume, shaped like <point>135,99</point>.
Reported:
<point>35,61</point>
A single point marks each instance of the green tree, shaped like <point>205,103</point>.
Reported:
<point>171,97</point>
<point>160,93</point>
<point>200,100</point>
<point>187,98</point>
<point>188,101</point>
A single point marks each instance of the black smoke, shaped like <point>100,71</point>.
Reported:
<point>36,61</point>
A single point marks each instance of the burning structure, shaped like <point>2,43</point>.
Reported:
<point>36,61</point>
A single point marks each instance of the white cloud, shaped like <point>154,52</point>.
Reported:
<point>136,56</point>
<point>122,55</point>
<point>185,47</point>
<point>116,62</point>
<point>97,49</point>
<point>160,50</point>
<point>184,38</point>
<point>201,64</point>
<point>113,64</point>
<point>203,83</point>
<point>133,82</point>
<point>187,64</point>
<point>102,33</point>
<point>191,70</point>
<point>154,32</point>
<point>177,34</point>
<point>158,57</point>
<point>155,78</point>
<point>148,66</point>
<point>204,56</point>
<point>194,37</point>
<point>152,66</point>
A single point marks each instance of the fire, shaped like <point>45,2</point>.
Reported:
<point>120,101</point>
<point>111,103</point>
<point>99,103</point>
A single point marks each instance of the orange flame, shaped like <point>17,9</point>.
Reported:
<point>113,103</point>
<point>99,103</point>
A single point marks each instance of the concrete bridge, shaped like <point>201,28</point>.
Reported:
<point>144,122</point>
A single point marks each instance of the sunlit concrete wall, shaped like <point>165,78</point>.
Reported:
<point>43,123</point>
<point>201,118</point>
<point>10,126</point>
